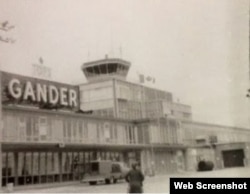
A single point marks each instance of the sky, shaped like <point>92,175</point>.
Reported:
<point>196,49</point>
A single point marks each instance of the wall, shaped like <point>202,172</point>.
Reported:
<point>232,146</point>
<point>193,131</point>
<point>164,162</point>
<point>198,136</point>
<point>214,153</point>
<point>98,97</point>
<point>194,155</point>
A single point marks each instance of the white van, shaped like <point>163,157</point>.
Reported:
<point>105,171</point>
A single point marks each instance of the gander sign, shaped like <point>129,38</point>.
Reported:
<point>42,92</point>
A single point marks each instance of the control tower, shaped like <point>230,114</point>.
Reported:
<point>105,69</point>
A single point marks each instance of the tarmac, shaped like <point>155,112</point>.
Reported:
<point>155,184</point>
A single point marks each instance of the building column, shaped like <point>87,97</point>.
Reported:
<point>116,114</point>
<point>146,161</point>
<point>143,160</point>
<point>191,159</point>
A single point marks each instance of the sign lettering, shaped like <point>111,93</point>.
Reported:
<point>42,93</point>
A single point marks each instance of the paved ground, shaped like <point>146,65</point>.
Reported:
<point>157,184</point>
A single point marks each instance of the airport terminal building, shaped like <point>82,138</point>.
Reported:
<point>50,131</point>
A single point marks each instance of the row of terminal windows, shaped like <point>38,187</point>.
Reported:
<point>28,127</point>
<point>109,112</point>
<point>129,93</point>
<point>129,109</point>
<point>152,94</point>
<point>199,135</point>
<point>112,68</point>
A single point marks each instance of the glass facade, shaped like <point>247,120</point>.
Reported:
<point>122,99</point>
<point>35,167</point>
<point>26,126</point>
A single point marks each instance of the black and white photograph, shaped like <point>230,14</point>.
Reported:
<point>124,96</point>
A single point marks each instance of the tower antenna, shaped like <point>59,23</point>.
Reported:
<point>111,42</point>
<point>120,49</point>
<point>88,55</point>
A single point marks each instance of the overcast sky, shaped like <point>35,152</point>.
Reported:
<point>196,49</point>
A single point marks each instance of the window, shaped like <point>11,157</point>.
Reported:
<point>116,168</point>
<point>29,127</point>
<point>200,141</point>
<point>69,129</point>
<point>22,127</point>
<point>43,127</point>
<point>75,135</point>
<point>64,129</point>
<point>124,92</point>
<point>80,129</point>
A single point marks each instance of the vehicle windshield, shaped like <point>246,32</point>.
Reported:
<point>123,165</point>
<point>94,167</point>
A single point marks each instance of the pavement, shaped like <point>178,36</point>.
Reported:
<point>156,184</point>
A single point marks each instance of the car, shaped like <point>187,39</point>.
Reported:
<point>105,171</point>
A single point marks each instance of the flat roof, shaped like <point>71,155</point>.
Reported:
<point>215,125</point>
<point>104,61</point>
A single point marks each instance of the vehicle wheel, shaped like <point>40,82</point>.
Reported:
<point>107,181</point>
<point>92,182</point>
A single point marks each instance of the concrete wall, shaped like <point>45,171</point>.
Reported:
<point>194,155</point>
<point>97,96</point>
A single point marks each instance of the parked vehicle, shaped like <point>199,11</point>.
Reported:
<point>205,165</point>
<point>105,171</point>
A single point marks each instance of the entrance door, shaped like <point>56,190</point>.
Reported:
<point>233,158</point>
